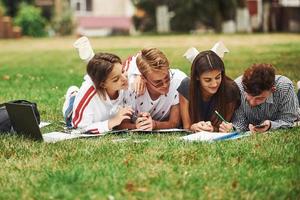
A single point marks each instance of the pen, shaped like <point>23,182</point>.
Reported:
<point>220,116</point>
<point>226,122</point>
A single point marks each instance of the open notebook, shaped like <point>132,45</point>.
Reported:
<point>170,130</point>
<point>213,136</point>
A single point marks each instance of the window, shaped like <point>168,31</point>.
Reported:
<point>89,5</point>
<point>82,5</point>
<point>77,6</point>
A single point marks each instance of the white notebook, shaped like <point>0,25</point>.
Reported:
<point>213,136</point>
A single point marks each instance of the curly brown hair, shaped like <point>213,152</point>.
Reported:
<point>258,78</point>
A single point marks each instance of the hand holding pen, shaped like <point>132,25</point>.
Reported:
<point>225,126</point>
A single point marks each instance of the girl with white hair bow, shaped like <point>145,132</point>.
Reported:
<point>208,93</point>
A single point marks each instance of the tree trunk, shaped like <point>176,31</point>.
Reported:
<point>243,20</point>
<point>162,19</point>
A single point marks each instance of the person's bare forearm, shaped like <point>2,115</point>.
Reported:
<point>126,124</point>
<point>165,124</point>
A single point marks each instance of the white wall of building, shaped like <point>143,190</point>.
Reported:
<point>290,3</point>
<point>117,8</point>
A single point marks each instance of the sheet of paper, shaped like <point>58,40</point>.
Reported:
<point>161,130</point>
<point>59,136</point>
<point>246,134</point>
<point>171,130</point>
<point>43,124</point>
<point>117,131</point>
<point>89,135</point>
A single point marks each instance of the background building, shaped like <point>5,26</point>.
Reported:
<point>102,17</point>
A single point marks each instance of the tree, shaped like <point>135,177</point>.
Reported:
<point>146,22</point>
<point>12,6</point>
<point>31,21</point>
<point>189,13</point>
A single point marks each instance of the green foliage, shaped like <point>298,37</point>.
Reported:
<point>12,6</point>
<point>189,13</point>
<point>228,9</point>
<point>2,9</point>
<point>30,20</point>
<point>148,22</point>
<point>64,24</point>
<point>195,12</point>
<point>242,3</point>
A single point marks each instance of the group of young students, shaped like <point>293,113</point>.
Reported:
<point>145,93</point>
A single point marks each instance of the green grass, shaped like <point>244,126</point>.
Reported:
<point>265,166</point>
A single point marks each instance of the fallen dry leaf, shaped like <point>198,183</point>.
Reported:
<point>5,77</point>
<point>129,187</point>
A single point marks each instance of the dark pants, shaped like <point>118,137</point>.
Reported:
<point>298,94</point>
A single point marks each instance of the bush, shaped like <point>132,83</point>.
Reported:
<point>146,22</point>
<point>189,13</point>
<point>29,18</point>
<point>2,9</point>
<point>64,25</point>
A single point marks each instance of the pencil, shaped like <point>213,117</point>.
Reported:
<point>220,116</point>
<point>226,122</point>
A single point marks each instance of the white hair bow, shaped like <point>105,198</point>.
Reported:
<point>191,54</point>
<point>85,50</point>
<point>219,48</point>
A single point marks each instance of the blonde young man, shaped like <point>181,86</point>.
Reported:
<point>158,106</point>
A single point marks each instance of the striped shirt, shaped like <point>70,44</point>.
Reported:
<point>281,107</point>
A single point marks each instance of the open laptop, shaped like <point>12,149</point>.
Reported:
<point>25,123</point>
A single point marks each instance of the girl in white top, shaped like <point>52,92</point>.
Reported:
<point>100,103</point>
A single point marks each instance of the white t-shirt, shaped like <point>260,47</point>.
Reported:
<point>159,109</point>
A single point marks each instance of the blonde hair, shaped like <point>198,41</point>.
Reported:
<point>150,59</point>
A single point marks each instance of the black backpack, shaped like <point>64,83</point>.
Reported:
<point>5,124</point>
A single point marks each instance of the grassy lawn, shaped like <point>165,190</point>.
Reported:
<point>263,166</point>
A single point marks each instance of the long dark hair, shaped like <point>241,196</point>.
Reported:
<point>208,61</point>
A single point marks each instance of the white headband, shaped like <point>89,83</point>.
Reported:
<point>219,48</point>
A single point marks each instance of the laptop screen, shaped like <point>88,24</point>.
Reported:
<point>23,120</point>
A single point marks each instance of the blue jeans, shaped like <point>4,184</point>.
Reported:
<point>298,94</point>
<point>69,112</point>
